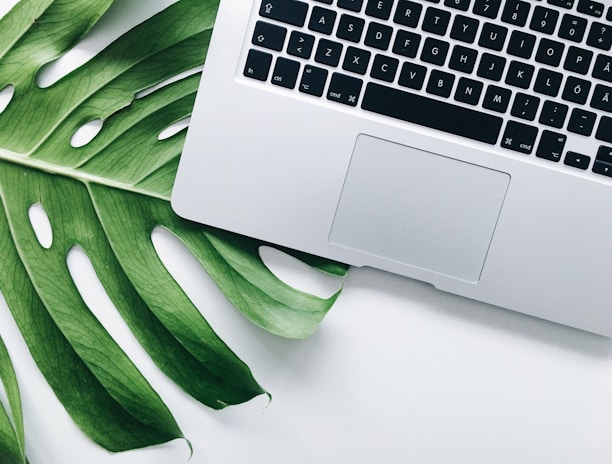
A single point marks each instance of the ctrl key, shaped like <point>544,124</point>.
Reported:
<point>258,65</point>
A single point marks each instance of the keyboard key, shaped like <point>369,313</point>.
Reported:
<point>525,106</point>
<point>328,52</point>
<point>602,98</point>
<point>412,76</point>
<point>569,4</point>
<point>468,91</point>
<point>520,74</point>
<point>603,68</point>
<point>258,65</point>
<point>462,5</point>
<point>493,36</point>
<point>436,21</point>
<point>487,8</point>
<point>591,8</point>
<point>463,59</point>
<point>406,43</point>
<point>516,12</point>
<point>581,122</point>
<point>285,73</point>
<point>344,89</point>
<point>572,28</point>
<point>550,52</point>
<point>548,82</point>
<point>313,81</point>
<point>300,44</point>
<point>286,11</point>
<point>378,36</point>
<point>351,5</point>
<point>269,36</point>
<point>605,169</point>
<point>434,51</point>
<point>604,154</point>
<point>551,146</point>
<point>408,13</point>
<point>553,114</point>
<point>464,29</point>
<point>521,44</point>
<point>491,66</point>
<point>431,113</point>
<point>380,9</point>
<point>350,28</point>
<point>322,20</point>
<point>578,60</point>
<point>384,68</point>
<point>544,20</point>
<point>440,83</point>
<point>356,60</point>
<point>576,90</point>
<point>519,137</point>
<point>497,99</point>
<point>577,160</point>
<point>604,131</point>
<point>600,36</point>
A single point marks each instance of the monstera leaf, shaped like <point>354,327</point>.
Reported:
<point>106,198</point>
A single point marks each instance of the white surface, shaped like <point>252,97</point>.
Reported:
<point>397,373</point>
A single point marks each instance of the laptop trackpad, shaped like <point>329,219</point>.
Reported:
<point>419,208</point>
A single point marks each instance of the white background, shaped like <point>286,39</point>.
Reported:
<point>397,373</point>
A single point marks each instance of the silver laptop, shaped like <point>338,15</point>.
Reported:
<point>464,143</point>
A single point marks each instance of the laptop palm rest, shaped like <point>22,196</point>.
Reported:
<point>419,208</point>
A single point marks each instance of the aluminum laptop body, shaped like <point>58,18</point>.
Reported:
<point>510,208</point>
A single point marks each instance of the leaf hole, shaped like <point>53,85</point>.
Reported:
<point>6,96</point>
<point>174,129</point>
<point>149,90</point>
<point>297,274</point>
<point>86,133</point>
<point>41,225</point>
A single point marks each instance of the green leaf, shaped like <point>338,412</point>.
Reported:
<point>12,441</point>
<point>106,198</point>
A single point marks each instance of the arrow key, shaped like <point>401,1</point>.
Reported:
<point>300,44</point>
<point>577,160</point>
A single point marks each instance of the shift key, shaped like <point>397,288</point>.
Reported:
<point>286,11</point>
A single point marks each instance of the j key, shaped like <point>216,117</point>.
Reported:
<point>313,80</point>
<point>516,12</point>
<point>269,36</point>
<point>432,113</point>
<point>551,146</point>
<point>351,5</point>
<point>286,11</point>
<point>577,160</point>
<point>572,28</point>
<point>519,137</point>
<point>258,65</point>
<point>487,8</point>
<point>553,114</point>
<point>562,3</point>
<point>344,89</point>
<point>581,122</point>
<point>602,98</point>
<point>600,36</point>
<point>603,68</point>
<point>576,90</point>
<point>491,66</point>
<point>590,7</point>
<point>285,73</point>
<point>300,44</point>
<point>544,20</point>
<point>604,132</point>
<point>408,13</point>
<point>380,9</point>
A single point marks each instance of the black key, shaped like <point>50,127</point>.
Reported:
<point>408,13</point>
<point>609,15</point>
<point>521,44</point>
<point>462,5</point>
<point>412,76</point>
<point>603,68</point>
<point>322,20</point>
<point>464,29</point>
<point>487,8</point>
<point>604,131</point>
<point>430,113</point>
<point>516,12</point>
<point>591,8</point>
<point>468,91</point>
<point>600,36</point>
<point>519,74</point>
<point>436,21</point>
<point>553,114</point>
<point>258,65</point>
<point>491,66</point>
<point>493,36</point>
<point>356,60</point>
<point>329,2</point>
<point>300,44</point>
<point>384,68</point>
<point>605,169</point>
<point>550,52</point>
<point>344,89</point>
<point>562,3</point>
<point>352,5</point>
<point>551,146</point>
<point>602,98</point>
<point>380,9</point>
<point>285,73</point>
<point>328,52</point>
<point>463,59</point>
<point>434,51</point>
<point>576,90</point>
<point>350,28</point>
<point>286,11</point>
<point>519,137</point>
<point>544,20</point>
<point>581,122</point>
<point>572,28</point>
<point>604,154</point>
<point>577,160</point>
<point>378,36</point>
<point>548,82</point>
<point>406,43</point>
<point>269,36</point>
<point>578,60</point>
<point>313,81</point>
<point>525,106</point>
<point>497,99</point>
<point>440,83</point>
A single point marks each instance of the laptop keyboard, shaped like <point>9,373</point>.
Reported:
<point>529,77</point>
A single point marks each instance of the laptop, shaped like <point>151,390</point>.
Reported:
<point>463,143</point>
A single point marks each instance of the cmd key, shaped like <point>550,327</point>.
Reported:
<point>286,11</point>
